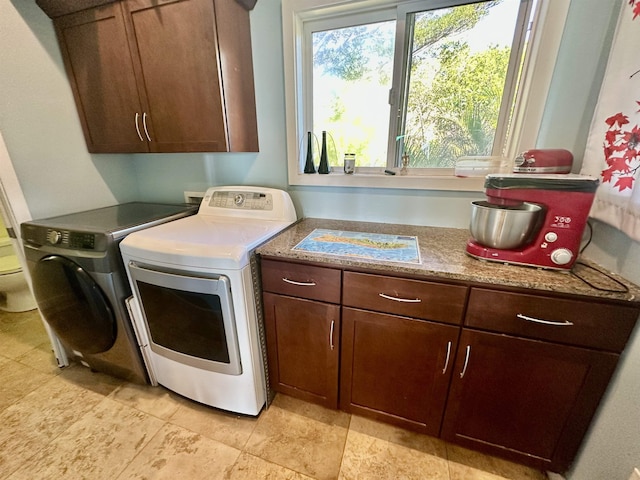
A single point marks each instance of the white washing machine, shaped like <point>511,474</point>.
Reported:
<point>194,300</point>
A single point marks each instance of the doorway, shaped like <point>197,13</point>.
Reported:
<point>14,210</point>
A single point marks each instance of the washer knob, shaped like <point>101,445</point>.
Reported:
<point>561,256</point>
<point>54,237</point>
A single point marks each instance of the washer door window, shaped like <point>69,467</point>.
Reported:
<point>74,306</point>
<point>189,319</point>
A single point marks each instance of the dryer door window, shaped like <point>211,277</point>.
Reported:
<point>188,319</point>
<point>73,305</point>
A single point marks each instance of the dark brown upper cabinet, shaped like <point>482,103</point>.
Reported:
<point>162,76</point>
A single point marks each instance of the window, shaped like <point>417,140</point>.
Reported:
<point>414,84</point>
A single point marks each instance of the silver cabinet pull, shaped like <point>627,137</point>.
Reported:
<point>331,334</point>
<point>446,362</point>
<point>466,361</point>
<point>144,124</point>
<point>301,284</point>
<point>545,322</point>
<point>399,299</point>
<point>138,128</point>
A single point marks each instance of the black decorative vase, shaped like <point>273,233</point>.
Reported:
<point>309,167</point>
<point>324,161</point>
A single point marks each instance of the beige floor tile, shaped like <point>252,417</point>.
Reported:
<point>73,423</point>
<point>98,446</point>
<point>301,443</point>
<point>18,338</point>
<point>30,425</point>
<point>13,347</point>
<point>156,401</point>
<point>249,467</point>
<point>83,377</point>
<point>40,358</point>
<point>386,455</point>
<point>177,453</point>
<point>21,323</point>
<point>228,428</point>
<point>312,411</point>
<point>399,436</point>
<point>17,381</point>
<point>466,464</point>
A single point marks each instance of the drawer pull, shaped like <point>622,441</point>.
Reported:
<point>446,362</point>
<point>331,334</point>
<point>466,361</point>
<point>300,284</point>
<point>399,299</point>
<point>545,322</point>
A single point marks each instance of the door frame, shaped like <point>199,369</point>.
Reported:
<point>15,211</point>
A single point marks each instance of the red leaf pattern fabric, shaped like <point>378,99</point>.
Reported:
<point>612,152</point>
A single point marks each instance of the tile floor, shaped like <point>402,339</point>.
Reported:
<point>73,424</point>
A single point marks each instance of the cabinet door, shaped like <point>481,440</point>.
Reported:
<point>527,400</point>
<point>396,369</point>
<point>175,51</point>
<point>302,347</point>
<point>95,51</point>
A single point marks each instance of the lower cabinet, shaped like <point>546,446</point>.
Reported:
<point>302,338</point>
<point>396,369</point>
<point>517,374</point>
<point>526,400</point>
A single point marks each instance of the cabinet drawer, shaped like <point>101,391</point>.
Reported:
<point>575,322</point>
<point>304,281</point>
<point>411,298</point>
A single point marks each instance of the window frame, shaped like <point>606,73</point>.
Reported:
<point>547,29</point>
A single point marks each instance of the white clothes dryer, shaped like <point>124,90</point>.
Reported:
<point>194,300</point>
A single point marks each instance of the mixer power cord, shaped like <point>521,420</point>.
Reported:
<point>624,288</point>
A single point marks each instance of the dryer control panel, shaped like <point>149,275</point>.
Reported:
<point>243,200</point>
<point>259,203</point>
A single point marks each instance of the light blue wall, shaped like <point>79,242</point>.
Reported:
<point>612,447</point>
<point>40,126</point>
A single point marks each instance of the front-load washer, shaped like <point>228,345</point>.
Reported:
<point>195,305</point>
<point>80,283</point>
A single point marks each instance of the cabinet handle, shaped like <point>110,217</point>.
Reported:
<point>138,128</point>
<point>144,124</point>
<point>446,362</point>
<point>466,361</point>
<point>301,284</point>
<point>331,334</point>
<point>545,322</point>
<point>399,299</point>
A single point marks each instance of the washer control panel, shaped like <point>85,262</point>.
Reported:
<point>70,239</point>
<point>66,239</point>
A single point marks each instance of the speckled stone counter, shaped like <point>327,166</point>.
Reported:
<point>443,257</point>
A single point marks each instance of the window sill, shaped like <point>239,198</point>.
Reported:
<point>377,180</point>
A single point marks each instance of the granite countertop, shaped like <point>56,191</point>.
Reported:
<point>442,252</point>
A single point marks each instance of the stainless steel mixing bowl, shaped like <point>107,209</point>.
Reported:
<point>504,227</point>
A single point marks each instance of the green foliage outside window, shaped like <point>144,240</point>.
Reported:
<point>453,98</point>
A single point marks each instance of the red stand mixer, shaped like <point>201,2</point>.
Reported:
<point>532,219</point>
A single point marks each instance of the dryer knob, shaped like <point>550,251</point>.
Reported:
<point>54,237</point>
<point>561,256</point>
